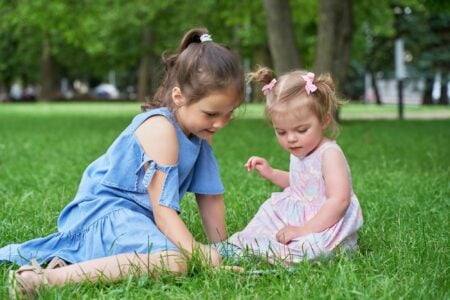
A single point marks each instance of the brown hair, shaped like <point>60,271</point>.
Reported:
<point>291,86</point>
<point>199,68</point>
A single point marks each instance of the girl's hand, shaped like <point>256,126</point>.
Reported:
<point>260,165</point>
<point>210,255</point>
<point>289,232</point>
<point>277,177</point>
<point>236,269</point>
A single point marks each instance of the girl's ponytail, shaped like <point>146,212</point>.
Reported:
<point>328,101</point>
<point>262,75</point>
<point>162,95</point>
<point>199,67</point>
<point>192,36</point>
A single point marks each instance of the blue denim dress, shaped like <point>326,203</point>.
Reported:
<point>111,212</point>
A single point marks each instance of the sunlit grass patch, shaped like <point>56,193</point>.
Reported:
<point>400,173</point>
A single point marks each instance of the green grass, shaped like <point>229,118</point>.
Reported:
<point>400,173</point>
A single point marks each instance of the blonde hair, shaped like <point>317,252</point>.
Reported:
<point>291,87</point>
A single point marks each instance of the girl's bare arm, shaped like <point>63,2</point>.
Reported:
<point>212,211</point>
<point>165,152</point>
<point>338,189</point>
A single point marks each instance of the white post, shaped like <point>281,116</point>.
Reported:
<point>112,77</point>
<point>400,71</point>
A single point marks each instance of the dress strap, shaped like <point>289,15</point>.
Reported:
<point>331,144</point>
<point>169,196</point>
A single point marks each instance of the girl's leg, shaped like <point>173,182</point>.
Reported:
<point>113,268</point>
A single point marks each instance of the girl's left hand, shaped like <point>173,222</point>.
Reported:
<point>289,232</point>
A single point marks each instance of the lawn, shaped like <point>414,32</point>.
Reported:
<point>400,173</point>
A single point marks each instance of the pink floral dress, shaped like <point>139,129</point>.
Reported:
<point>297,204</point>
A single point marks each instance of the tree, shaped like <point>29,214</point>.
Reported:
<point>44,35</point>
<point>434,54</point>
<point>30,42</point>
<point>334,42</point>
<point>88,39</point>
<point>280,31</point>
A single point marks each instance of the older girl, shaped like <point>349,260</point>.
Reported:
<point>125,215</point>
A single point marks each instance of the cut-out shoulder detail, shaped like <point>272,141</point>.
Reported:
<point>169,196</point>
<point>160,129</point>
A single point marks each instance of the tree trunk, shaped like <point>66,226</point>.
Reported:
<point>334,40</point>
<point>144,66</point>
<point>443,99</point>
<point>3,92</point>
<point>343,42</point>
<point>48,84</point>
<point>280,31</point>
<point>373,80</point>
<point>427,97</point>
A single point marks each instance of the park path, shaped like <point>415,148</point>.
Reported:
<point>438,115</point>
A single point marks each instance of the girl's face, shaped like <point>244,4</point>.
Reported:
<point>206,116</point>
<point>300,133</point>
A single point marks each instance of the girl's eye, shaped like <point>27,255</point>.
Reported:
<point>302,130</point>
<point>281,132</point>
<point>212,115</point>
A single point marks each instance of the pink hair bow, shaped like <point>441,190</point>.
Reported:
<point>269,87</point>
<point>310,87</point>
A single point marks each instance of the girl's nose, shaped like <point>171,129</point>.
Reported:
<point>291,137</point>
<point>221,122</point>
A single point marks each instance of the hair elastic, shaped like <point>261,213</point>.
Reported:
<point>269,87</point>
<point>205,38</point>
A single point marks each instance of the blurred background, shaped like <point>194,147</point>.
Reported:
<point>62,50</point>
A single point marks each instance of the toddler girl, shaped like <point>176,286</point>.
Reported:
<point>317,210</point>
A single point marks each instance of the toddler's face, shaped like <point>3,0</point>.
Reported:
<point>300,133</point>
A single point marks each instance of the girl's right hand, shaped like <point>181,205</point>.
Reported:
<point>210,255</point>
<point>260,165</point>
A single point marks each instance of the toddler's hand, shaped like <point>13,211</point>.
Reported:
<point>259,164</point>
<point>288,233</point>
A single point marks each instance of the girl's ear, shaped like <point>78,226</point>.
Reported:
<point>326,121</point>
<point>178,97</point>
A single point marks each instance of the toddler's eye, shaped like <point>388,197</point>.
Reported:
<point>302,130</point>
<point>280,132</point>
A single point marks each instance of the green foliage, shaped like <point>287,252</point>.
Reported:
<point>90,38</point>
<point>423,28</point>
<point>400,174</point>
<point>305,18</point>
